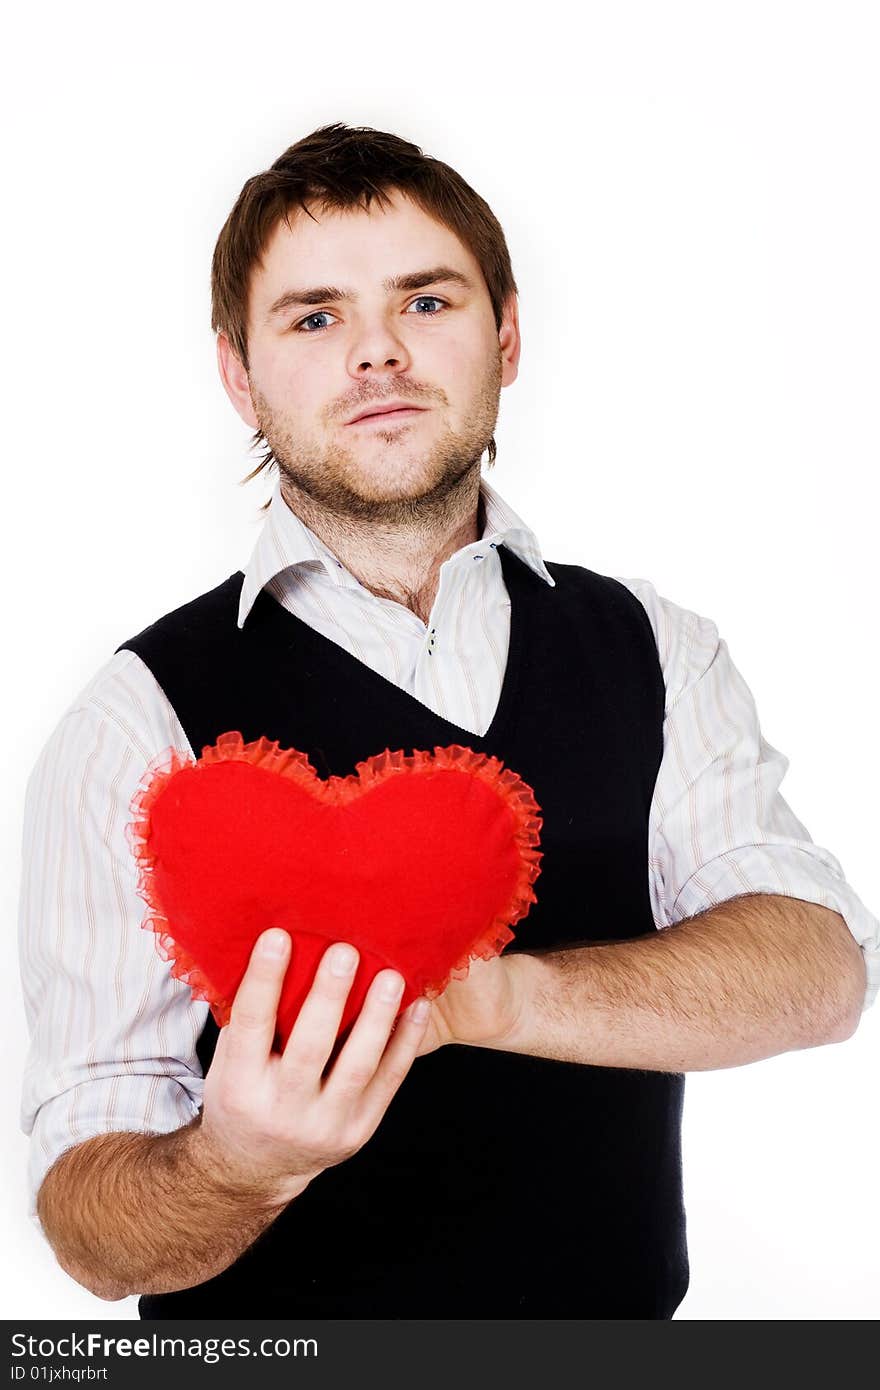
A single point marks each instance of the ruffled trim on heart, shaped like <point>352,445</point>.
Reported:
<point>290,762</point>
<point>152,784</point>
<point>263,752</point>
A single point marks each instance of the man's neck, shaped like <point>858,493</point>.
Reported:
<point>399,561</point>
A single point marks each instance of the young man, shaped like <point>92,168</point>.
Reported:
<point>512,1150</point>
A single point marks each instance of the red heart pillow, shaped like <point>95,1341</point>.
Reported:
<point>423,863</point>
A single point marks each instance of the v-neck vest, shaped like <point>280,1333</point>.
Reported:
<point>497,1184</point>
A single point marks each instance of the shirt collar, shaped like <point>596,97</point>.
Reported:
<point>286,542</point>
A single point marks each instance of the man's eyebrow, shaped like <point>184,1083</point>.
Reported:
<point>331,294</point>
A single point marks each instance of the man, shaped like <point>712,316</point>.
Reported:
<point>512,1150</point>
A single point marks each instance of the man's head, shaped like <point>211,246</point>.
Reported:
<point>356,273</point>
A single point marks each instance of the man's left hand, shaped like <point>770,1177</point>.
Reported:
<point>485,1009</point>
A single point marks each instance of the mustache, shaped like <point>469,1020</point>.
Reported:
<point>397,390</point>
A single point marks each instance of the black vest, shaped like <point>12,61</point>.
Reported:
<point>497,1184</point>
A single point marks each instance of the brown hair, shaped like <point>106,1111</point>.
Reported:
<point>341,167</point>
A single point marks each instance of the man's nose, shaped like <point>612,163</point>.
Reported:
<point>378,346</point>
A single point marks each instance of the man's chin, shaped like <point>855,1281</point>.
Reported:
<point>407,485</point>
<point>384,492</point>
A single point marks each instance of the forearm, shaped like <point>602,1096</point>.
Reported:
<point>756,976</point>
<point>132,1213</point>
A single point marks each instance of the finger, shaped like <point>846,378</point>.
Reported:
<point>313,1035</point>
<point>251,1028</point>
<point>395,1062</point>
<point>355,1067</point>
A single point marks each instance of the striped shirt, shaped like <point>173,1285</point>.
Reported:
<point>113,1034</point>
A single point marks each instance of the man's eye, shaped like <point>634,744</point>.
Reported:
<point>427,299</point>
<point>301,326</point>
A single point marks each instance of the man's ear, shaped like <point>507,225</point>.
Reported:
<point>234,378</point>
<point>509,340</point>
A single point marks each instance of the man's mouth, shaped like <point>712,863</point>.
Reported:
<point>389,413</point>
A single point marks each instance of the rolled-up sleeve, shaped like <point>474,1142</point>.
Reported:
<point>112,1033</point>
<point>719,825</point>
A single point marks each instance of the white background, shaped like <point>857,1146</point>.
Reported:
<point>690,196</point>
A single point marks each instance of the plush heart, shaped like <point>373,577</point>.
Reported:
<point>422,862</point>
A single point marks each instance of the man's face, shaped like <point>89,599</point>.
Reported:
<point>364,340</point>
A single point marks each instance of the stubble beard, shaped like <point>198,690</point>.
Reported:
<point>327,483</point>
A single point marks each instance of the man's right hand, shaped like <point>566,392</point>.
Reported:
<point>273,1121</point>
